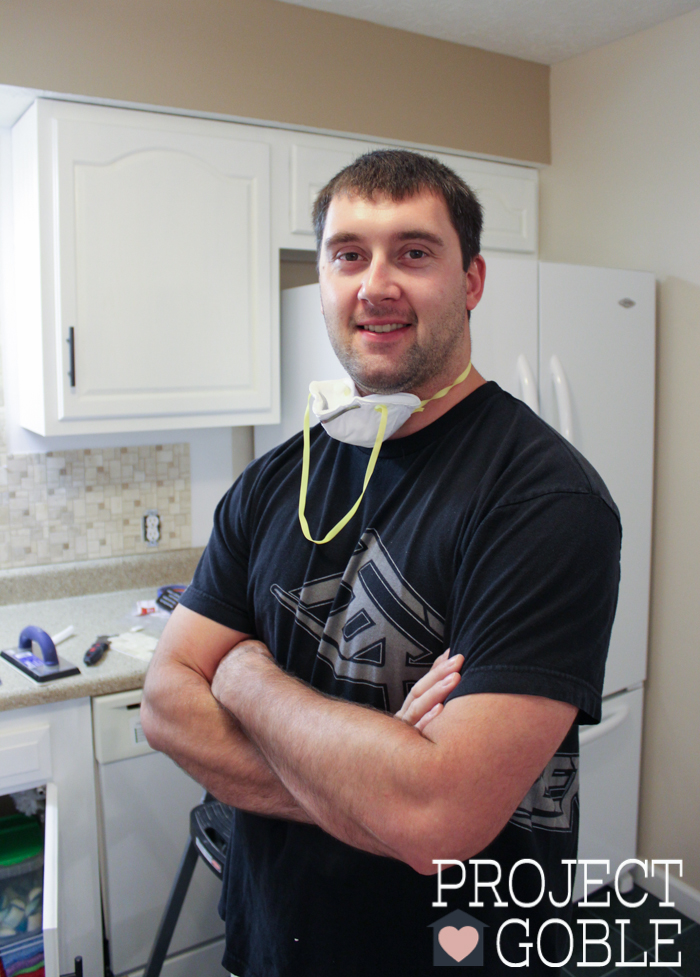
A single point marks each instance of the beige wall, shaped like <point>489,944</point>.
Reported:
<point>624,191</point>
<point>275,61</point>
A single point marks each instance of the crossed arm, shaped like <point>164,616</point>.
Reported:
<point>259,739</point>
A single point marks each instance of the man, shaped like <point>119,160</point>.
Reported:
<point>480,530</point>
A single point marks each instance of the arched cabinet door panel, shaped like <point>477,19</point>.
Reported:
<point>146,270</point>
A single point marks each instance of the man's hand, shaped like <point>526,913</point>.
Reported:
<point>425,700</point>
<point>248,653</point>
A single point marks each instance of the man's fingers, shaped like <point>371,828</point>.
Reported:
<point>434,695</point>
<point>441,668</point>
<point>416,704</point>
<point>435,711</point>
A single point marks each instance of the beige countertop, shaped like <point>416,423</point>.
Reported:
<point>91,615</point>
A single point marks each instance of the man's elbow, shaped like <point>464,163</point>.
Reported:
<point>150,724</point>
<point>426,861</point>
<point>154,709</point>
<point>444,838</point>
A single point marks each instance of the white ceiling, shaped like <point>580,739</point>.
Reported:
<point>537,30</point>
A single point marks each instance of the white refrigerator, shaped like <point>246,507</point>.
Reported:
<point>577,344</point>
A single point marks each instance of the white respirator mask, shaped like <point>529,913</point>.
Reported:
<point>363,421</point>
<point>349,417</point>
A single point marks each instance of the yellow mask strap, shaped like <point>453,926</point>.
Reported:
<point>306,458</point>
<point>445,390</point>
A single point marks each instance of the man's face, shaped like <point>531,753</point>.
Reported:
<point>394,294</point>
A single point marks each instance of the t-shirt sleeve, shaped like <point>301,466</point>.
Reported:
<point>535,599</point>
<point>219,588</point>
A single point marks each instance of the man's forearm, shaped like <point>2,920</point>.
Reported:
<point>181,718</point>
<point>358,772</point>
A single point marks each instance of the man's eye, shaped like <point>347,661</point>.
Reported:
<point>349,256</point>
<point>416,253</point>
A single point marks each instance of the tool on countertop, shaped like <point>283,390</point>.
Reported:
<point>97,649</point>
<point>169,597</point>
<point>63,635</point>
<point>47,668</point>
<point>136,645</point>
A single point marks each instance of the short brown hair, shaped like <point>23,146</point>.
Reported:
<point>399,173</point>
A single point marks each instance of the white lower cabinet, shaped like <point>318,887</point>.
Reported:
<point>51,745</point>
<point>145,802</point>
<point>51,884</point>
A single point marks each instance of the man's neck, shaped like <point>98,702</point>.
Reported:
<point>436,408</point>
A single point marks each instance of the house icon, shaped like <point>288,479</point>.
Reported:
<point>458,940</point>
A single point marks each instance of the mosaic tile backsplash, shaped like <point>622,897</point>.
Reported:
<point>88,504</point>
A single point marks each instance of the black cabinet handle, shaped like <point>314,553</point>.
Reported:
<point>78,964</point>
<point>71,355</point>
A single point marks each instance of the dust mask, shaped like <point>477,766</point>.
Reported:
<point>348,417</point>
<point>363,421</point>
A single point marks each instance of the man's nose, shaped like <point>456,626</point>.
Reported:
<point>379,284</point>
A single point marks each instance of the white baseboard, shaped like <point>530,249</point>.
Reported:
<point>684,896</point>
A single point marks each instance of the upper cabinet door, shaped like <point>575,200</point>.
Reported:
<point>508,195</point>
<point>152,257</point>
<point>311,161</point>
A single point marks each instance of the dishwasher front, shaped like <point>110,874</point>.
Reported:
<point>144,803</point>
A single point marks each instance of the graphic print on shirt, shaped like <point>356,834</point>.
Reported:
<point>374,630</point>
<point>549,803</point>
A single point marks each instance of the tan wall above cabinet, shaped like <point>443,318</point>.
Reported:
<point>262,59</point>
<point>147,251</point>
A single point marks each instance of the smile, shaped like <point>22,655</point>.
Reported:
<point>388,327</point>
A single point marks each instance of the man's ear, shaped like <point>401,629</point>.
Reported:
<point>476,277</point>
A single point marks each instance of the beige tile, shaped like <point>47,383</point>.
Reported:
<point>84,504</point>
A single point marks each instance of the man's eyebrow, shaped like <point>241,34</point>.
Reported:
<point>349,237</point>
<point>342,237</point>
<point>421,235</point>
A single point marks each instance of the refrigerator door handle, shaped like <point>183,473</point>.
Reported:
<point>528,387</point>
<point>561,390</point>
<point>611,722</point>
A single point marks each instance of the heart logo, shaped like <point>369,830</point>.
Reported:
<point>458,944</point>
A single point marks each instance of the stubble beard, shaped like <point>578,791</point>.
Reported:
<point>420,364</point>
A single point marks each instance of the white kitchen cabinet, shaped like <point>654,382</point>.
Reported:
<point>144,276</point>
<point>52,744</point>
<point>308,162</point>
<point>507,193</point>
<point>146,261</point>
<point>145,801</point>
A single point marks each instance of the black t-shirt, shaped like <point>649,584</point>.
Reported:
<point>485,532</point>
